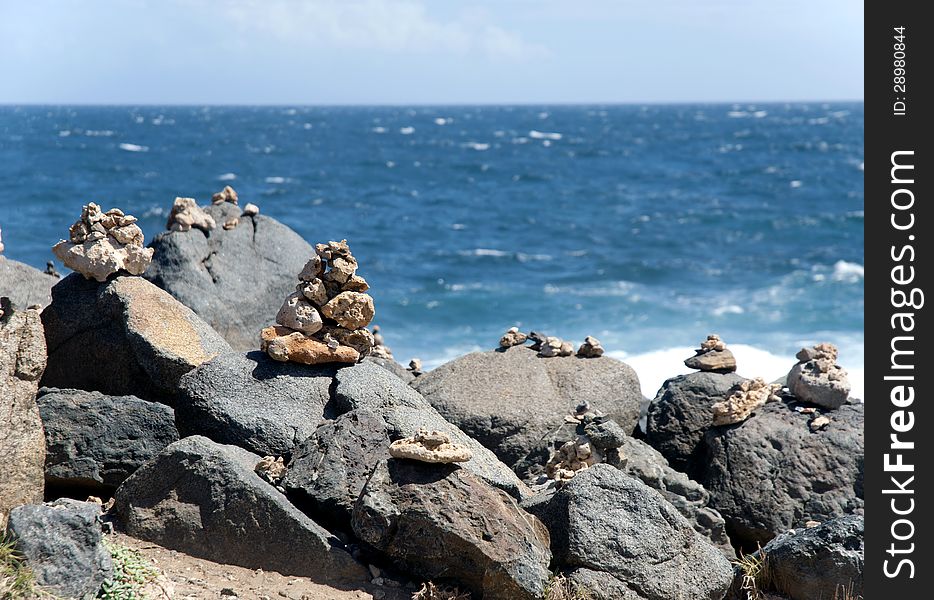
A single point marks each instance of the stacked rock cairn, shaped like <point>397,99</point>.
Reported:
<point>103,243</point>
<point>325,319</point>
<point>713,356</point>
<point>549,346</point>
<point>818,379</point>
<point>186,214</point>
<point>599,439</point>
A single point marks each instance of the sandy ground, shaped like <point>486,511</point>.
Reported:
<point>187,577</point>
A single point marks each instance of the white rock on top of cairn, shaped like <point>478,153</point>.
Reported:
<point>325,319</point>
<point>103,243</point>
<point>186,214</point>
<point>818,379</point>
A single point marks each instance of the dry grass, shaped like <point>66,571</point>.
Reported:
<point>756,578</point>
<point>562,588</point>
<point>433,591</point>
<point>847,593</point>
<point>16,580</point>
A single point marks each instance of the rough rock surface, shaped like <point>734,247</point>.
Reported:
<point>254,402</point>
<point>233,279</point>
<point>101,244</point>
<point>95,441</point>
<point>392,366</point>
<point>510,400</point>
<point>22,443</point>
<point>746,397</point>
<point>24,285</point>
<point>818,379</point>
<point>682,411</point>
<point>430,447</point>
<point>617,537</point>
<point>61,543</point>
<point>818,562</point>
<point>442,521</point>
<point>205,499</point>
<point>286,345</point>
<point>771,473</point>
<point>123,337</point>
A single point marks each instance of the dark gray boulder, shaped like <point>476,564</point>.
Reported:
<point>771,473</point>
<point>61,544</point>
<point>25,285</point>
<point>681,413</point>
<point>252,401</point>
<point>825,561</point>
<point>205,499</point>
<point>122,337</point>
<point>393,367</point>
<point>511,400</point>
<point>441,521</point>
<point>95,441</point>
<point>618,538</point>
<point>233,279</point>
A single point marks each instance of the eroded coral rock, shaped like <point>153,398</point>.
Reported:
<point>430,447</point>
<point>250,210</point>
<point>746,397</point>
<point>101,244</point>
<point>186,214</point>
<point>287,345</point>
<point>271,468</point>
<point>572,457</point>
<point>591,348</point>
<point>228,194</point>
<point>298,314</point>
<point>818,379</point>
<point>512,337</point>
<point>713,356</point>
<point>352,310</point>
<point>555,346</point>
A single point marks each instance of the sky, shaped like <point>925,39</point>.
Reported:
<point>428,51</point>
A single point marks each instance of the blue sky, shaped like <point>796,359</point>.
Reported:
<point>428,52</point>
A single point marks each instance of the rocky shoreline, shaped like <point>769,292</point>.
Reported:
<point>220,393</point>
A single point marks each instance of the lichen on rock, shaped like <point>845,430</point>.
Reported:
<point>103,243</point>
<point>430,447</point>
<point>325,319</point>
<point>747,396</point>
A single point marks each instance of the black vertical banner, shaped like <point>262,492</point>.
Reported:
<point>899,165</point>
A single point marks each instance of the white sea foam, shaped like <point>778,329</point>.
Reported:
<point>64,133</point>
<point>847,272</point>
<point>480,146</point>
<point>133,148</point>
<point>275,180</point>
<point>544,135</point>
<point>406,130</point>
<point>653,368</point>
<point>98,133</point>
<point>795,183</point>
<point>483,252</point>
<point>379,130</point>
<point>227,177</point>
<point>729,309</point>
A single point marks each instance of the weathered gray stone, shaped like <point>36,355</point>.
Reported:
<point>96,441</point>
<point>442,521</point>
<point>233,279</point>
<point>123,337</point>
<point>205,499</point>
<point>22,442</point>
<point>61,544</point>
<point>510,400</point>
<point>24,285</point>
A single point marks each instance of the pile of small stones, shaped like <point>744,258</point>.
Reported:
<point>325,319</point>
<point>430,447</point>
<point>102,243</point>
<point>746,397</point>
<point>713,356</point>
<point>818,379</point>
<point>549,346</point>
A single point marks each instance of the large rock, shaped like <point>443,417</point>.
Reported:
<point>511,399</point>
<point>772,472</point>
<point>22,442</point>
<point>252,401</point>
<point>25,285</point>
<point>95,441</point>
<point>123,337</point>
<point>682,412</point>
<point>392,366</point>
<point>234,279</point>
<point>825,561</point>
<point>61,544</point>
<point>618,538</point>
<point>205,499</point>
<point>442,521</point>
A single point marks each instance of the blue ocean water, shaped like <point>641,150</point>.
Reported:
<point>645,226</point>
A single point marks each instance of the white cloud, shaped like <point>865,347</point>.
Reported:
<point>384,25</point>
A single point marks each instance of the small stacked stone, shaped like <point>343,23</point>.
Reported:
<point>713,356</point>
<point>549,346</point>
<point>818,379</point>
<point>103,243</point>
<point>415,367</point>
<point>380,349</point>
<point>228,194</point>
<point>325,319</point>
<point>746,397</point>
<point>186,214</point>
<point>430,447</point>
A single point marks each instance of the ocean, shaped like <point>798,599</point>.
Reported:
<point>647,227</point>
